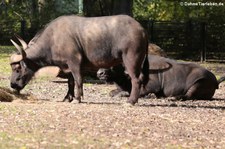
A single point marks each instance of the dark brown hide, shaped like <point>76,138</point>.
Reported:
<point>169,78</point>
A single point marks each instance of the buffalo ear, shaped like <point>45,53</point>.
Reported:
<point>16,58</point>
<point>23,64</point>
<point>22,52</point>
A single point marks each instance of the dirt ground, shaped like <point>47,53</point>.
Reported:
<point>103,122</point>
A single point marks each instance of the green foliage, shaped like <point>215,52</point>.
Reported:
<point>167,10</point>
<point>55,8</point>
<point>39,12</point>
<point>5,52</point>
<point>36,13</point>
<point>183,11</point>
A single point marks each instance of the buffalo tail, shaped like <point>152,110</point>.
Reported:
<point>145,71</point>
<point>221,79</point>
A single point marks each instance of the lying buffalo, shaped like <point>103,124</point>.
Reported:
<point>75,44</point>
<point>168,78</point>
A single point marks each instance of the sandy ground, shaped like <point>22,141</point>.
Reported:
<point>101,121</point>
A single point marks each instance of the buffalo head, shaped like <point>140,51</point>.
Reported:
<point>118,75</point>
<point>22,70</point>
<point>113,74</point>
<point>105,75</point>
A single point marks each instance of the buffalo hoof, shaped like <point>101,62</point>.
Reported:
<point>132,101</point>
<point>78,99</point>
<point>68,98</point>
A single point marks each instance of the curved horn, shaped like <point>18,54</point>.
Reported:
<point>22,52</point>
<point>24,44</point>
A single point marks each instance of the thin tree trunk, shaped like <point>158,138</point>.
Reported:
<point>122,7</point>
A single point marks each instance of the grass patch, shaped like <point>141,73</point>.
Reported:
<point>4,137</point>
<point>5,52</point>
<point>217,69</point>
<point>4,82</point>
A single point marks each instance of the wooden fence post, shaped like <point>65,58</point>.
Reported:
<point>151,22</point>
<point>189,33</point>
<point>22,28</point>
<point>203,38</point>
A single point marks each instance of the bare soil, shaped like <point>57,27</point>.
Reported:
<point>101,121</point>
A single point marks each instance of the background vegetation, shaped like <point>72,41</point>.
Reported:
<point>26,17</point>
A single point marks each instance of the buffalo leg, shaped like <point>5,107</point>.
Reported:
<point>70,94</point>
<point>135,91</point>
<point>76,72</point>
<point>133,68</point>
<point>200,90</point>
<point>79,86</point>
<point>191,93</point>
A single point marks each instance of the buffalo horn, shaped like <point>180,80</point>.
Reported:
<point>24,44</point>
<point>22,52</point>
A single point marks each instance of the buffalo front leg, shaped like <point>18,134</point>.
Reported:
<point>79,86</point>
<point>70,94</point>
<point>78,81</point>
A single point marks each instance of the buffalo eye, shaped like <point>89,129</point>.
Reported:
<point>16,68</point>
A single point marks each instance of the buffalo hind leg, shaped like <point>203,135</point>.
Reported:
<point>135,91</point>
<point>134,69</point>
<point>201,90</point>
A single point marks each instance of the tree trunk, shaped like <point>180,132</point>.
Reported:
<point>122,7</point>
<point>34,19</point>
<point>107,7</point>
<point>89,8</point>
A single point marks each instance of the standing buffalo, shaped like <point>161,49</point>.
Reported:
<point>76,43</point>
<point>168,78</point>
